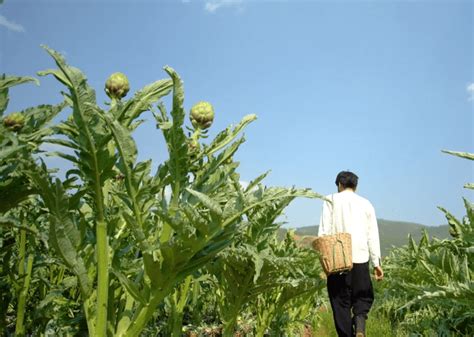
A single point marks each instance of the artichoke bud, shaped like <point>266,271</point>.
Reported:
<point>14,121</point>
<point>202,115</point>
<point>117,86</point>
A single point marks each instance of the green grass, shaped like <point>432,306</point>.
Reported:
<point>377,326</point>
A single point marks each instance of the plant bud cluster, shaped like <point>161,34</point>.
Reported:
<point>117,86</point>
<point>14,121</point>
<point>202,115</point>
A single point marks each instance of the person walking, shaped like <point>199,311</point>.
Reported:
<point>351,293</point>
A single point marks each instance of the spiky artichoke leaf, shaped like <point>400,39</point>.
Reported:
<point>203,174</point>
<point>14,192</point>
<point>131,287</point>
<point>86,129</point>
<point>142,100</point>
<point>64,236</point>
<point>465,155</point>
<point>228,135</point>
<point>455,226</point>
<point>36,121</point>
<point>210,204</point>
<point>7,82</point>
<point>178,162</point>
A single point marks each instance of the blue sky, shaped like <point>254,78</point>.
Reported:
<point>379,87</point>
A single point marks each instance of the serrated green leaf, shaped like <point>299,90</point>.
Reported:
<point>60,76</point>
<point>455,226</point>
<point>469,210</point>
<point>13,222</point>
<point>62,142</point>
<point>177,113</point>
<point>125,143</point>
<point>213,206</point>
<point>68,157</point>
<point>63,235</point>
<point>10,150</point>
<point>228,135</point>
<point>131,287</point>
<point>7,82</point>
<point>469,186</point>
<point>143,99</point>
<point>465,155</point>
<point>10,81</point>
<point>256,181</point>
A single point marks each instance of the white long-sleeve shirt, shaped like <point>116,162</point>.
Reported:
<point>350,213</point>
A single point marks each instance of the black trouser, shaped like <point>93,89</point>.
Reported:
<point>351,290</point>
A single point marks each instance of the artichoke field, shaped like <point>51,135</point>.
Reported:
<point>117,248</point>
<point>114,249</point>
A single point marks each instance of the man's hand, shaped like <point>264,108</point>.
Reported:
<point>378,273</point>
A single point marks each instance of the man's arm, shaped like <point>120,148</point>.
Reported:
<point>374,244</point>
<point>373,237</point>
<point>325,221</point>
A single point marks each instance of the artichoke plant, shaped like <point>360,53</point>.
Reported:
<point>431,285</point>
<point>118,242</point>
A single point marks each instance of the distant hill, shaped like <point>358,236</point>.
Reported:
<point>392,233</point>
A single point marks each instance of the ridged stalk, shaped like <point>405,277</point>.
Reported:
<point>102,245</point>
<point>146,312</point>
<point>20,326</point>
<point>229,327</point>
<point>102,279</point>
<point>102,249</point>
<point>179,300</point>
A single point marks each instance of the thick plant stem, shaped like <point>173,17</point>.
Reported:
<point>146,312</point>
<point>88,312</point>
<point>22,253</point>
<point>102,278</point>
<point>20,327</point>
<point>102,250</point>
<point>231,320</point>
<point>126,318</point>
<point>264,323</point>
<point>229,327</point>
<point>179,300</point>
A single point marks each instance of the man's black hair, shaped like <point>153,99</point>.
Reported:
<point>347,179</point>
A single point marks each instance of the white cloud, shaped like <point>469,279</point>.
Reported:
<point>12,26</point>
<point>214,5</point>
<point>470,91</point>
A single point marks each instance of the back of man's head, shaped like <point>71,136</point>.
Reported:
<point>347,179</point>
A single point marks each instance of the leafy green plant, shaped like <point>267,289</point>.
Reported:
<point>297,297</point>
<point>123,243</point>
<point>21,135</point>
<point>430,287</point>
<point>256,264</point>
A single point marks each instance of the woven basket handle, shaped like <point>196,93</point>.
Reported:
<point>334,252</point>
<point>326,264</point>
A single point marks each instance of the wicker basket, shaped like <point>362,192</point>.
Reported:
<point>335,252</point>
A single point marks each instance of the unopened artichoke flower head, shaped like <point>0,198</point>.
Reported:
<point>15,121</point>
<point>202,115</point>
<point>117,86</point>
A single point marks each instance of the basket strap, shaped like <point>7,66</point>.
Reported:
<point>334,252</point>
